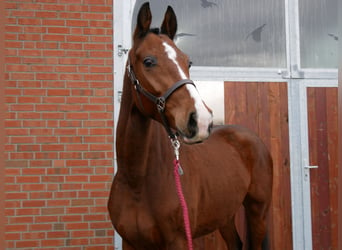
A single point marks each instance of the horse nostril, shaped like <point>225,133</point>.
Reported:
<point>192,124</point>
<point>210,127</point>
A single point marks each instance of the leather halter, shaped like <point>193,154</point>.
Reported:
<point>159,101</point>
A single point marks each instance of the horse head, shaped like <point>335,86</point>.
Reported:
<point>160,73</point>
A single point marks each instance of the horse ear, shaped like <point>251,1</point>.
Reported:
<point>169,26</point>
<point>143,21</point>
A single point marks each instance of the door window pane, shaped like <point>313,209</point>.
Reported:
<point>234,33</point>
<point>318,33</point>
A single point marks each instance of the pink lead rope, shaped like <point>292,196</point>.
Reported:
<point>177,172</point>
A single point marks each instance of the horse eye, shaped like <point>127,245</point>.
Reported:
<point>190,64</point>
<point>149,62</point>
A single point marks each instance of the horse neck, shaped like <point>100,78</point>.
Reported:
<point>138,139</point>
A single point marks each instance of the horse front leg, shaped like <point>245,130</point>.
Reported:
<point>231,236</point>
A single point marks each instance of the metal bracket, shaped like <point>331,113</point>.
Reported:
<point>122,50</point>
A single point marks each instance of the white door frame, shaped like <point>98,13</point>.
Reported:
<point>298,80</point>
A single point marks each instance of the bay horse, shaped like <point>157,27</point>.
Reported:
<point>224,167</point>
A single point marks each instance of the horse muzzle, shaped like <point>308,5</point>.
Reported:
<point>198,127</point>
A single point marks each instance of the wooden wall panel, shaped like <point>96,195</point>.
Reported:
<point>323,150</point>
<point>262,107</point>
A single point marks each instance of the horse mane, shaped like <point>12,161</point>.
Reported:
<point>156,31</point>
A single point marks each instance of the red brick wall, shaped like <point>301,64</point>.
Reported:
<point>59,124</point>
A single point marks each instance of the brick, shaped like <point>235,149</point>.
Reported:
<point>70,15</point>
<point>12,171</point>
<point>42,68</point>
<point>85,233</point>
<point>47,14</point>
<point>16,196</point>
<point>33,187</point>
<point>34,92</point>
<point>34,123</point>
<point>58,168</point>
<point>47,76</point>
<point>40,227</point>
<point>94,139</point>
<point>58,92</point>
<point>73,155</point>
<point>58,234</point>
<point>27,179</point>
<point>13,123</point>
<point>12,236</point>
<point>46,219</point>
<point>22,107</point>
<point>77,210</point>
<point>70,218</point>
<point>40,195</point>
<point>33,171</point>
<point>34,203</point>
<point>101,131</point>
<point>72,108</point>
<point>77,8</point>
<point>65,131</point>
<point>94,155</point>
<point>52,178</point>
<point>71,139</point>
<point>60,30</point>
<point>34,235</point>
<point>100,225</point>
<point>101,147</point>
<point>94,108</point>
<point>29,148</point>
<point>77,147</point>
<point>27,243</point>
<point>76,179</point>
<point>53,210</point>
<point>46,139</point>
<point>101,178</point>
<point>16,228</point>
<point>41,131</point>
<point>101,115</point>
<point>53,115</point>
<point>21,155</point>
<point>53,147</point>
<point>79,241</point>
<point>95,217</point>
<point>52,243</point>
<point>78,23</point>
<point>78,225</point>
<point>58,203</point>
<point>70,186</point>
<point>78,171</point>
<point>28,115</point>
<point>78,116</point>
<point>43,162</point>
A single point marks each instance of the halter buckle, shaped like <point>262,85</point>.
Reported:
<point>160,102</point>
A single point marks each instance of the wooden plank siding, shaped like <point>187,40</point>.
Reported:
<point>262,107</point>
<point>323,152</point>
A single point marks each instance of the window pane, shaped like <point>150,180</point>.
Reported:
<point>318,33</point>
<point>234,33</point>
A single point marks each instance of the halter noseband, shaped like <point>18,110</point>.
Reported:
<point>159,101</point>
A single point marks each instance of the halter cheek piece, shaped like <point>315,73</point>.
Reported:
<point>159,101</point>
